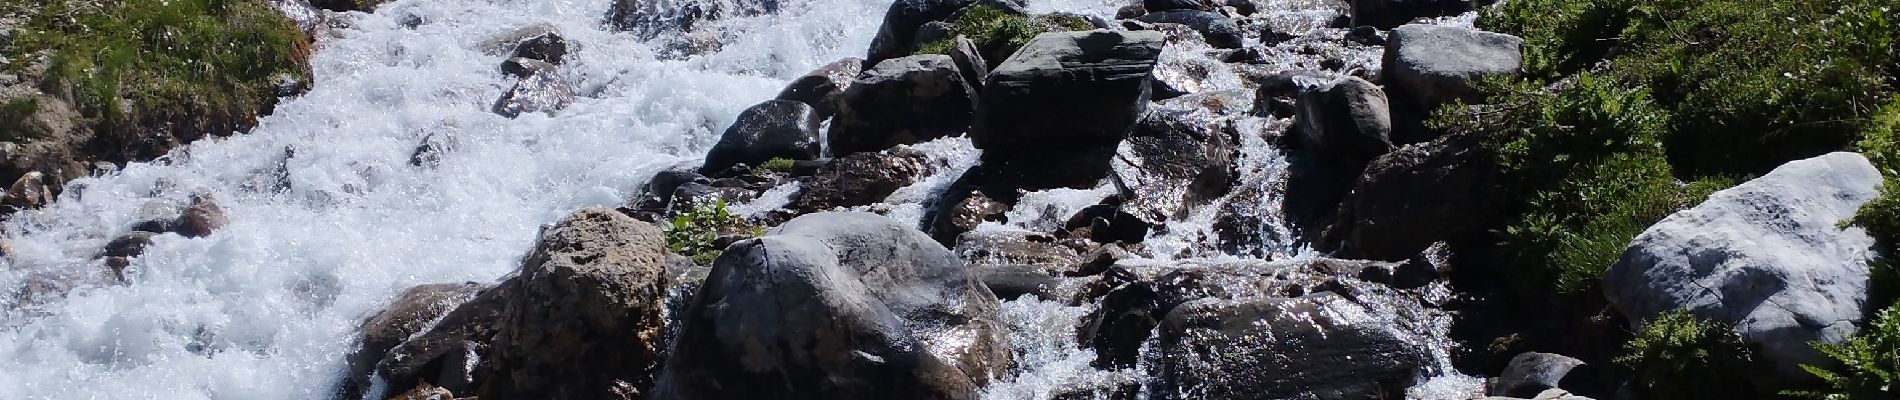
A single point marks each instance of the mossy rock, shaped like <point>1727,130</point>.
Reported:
<point>999,33</point>
<point>175,70</point>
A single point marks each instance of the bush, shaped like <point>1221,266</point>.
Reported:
<point>998,34</point>
<point>1867,364</point>
<point>1591,170</point>
<point>196,65</point>
<point>1678,356</point>
<point>1881,216</point>
<point>1748,84</point>
<point>693,232</point>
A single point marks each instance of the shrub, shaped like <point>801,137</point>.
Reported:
<point>998,34</point>
<point>202,64</point>
<point>1867,365</point>
<point>1881,216</point>
<point>1591,172</point>
<point>1678,356</point>
<point>694,231</point>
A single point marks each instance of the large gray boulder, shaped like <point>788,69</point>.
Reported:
<point>1052,114</point>
<point>1319,346</point>
<point>584,317</point>
<point>1434,65</point>
<point>902,101</point>
<point>1348,121</point>
<point>1768,256</point>
<point>773,129</point>
<point>846,305</point>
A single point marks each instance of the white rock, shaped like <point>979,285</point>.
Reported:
<point>1767,256</point>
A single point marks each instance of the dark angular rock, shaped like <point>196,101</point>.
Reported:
<point>859,179</point>
<point>1170,5</point>
<point>1128,315</point>
<point>838,306</point>
<point>902,101</point>
<point>429,153</point>
<point>413,311</point>
<point>897,36</point>
<point>821,87</point>
<point>962,207</point>
<point>452,353</point>
<point>131,245</point>
<point>1413,197</point>
<point>30,191</point>
<point>1052,115</point>
<point>547,47</point>
<point>970,62</point>
<point>1314,347</point>
<point>1218,30</point>
<point>773,129</point>
<point>1184,161</point>
<point>1013,281</point>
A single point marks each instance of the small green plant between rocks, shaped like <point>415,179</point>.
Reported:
<point>1679,356</point>
<point>780,165</point>
<point>999,33</point>
<point>694,232</point>
<point>1865,367</point>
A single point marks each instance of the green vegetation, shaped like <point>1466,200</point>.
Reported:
<point>1748,85</point>
<point>1630,110</point>
<point>693,232</point>
<point>13,117</point>
<point>1590,164</point>
<point>1677,356</point>
<point>780,165</point>
<point>1868,364</point>
<point>199,65</point>
<point>997,33</point>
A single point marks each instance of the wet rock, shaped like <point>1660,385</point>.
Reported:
<point>773,129</point>
<point>897,36</point>
<point>1434,65</point>
<point>1012,281</point>
<point>201,218</point>
<point>1183,161</point>
<point>1319,346</point>
<point>413,311</point>
<point>1278,93</point>
<point>425,392</point>
<point>1052,115</point>
<point>664,184</point>
<point>452,353</point>
<point>902,101</point>
<point>584,318</point>
<point>970,62</point>
<point>30,191</point>
<point>1366,35</point>
<point>430,152</point>
<point>348,5</point>
<point>1349,121</point>
<point>1530,374</point>
<point>1415,196</point>
<point>838,306</point>
<point>544,89</point>
<point>997,247</point>
<point>1218,30</point>
<point>859,179</point>
<point>1768,256</point>
<point>1097,260</point>
<point>1128,315</point>
<point>1107,223</point>
<point>962,207</point>
<point>821,87</point>
<point>648,19</point>
<point>132,244</point>
<point>1387,14</point>
<point>1170,5</point>
<point>548,47</point>
<point>1130,11</point>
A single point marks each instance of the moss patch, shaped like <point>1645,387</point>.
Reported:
<point>186,66</point>
<point>998,34</point>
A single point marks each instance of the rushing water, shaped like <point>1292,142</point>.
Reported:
<point>267,307</point>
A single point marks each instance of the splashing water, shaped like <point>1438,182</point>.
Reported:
<point>267,307</point>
